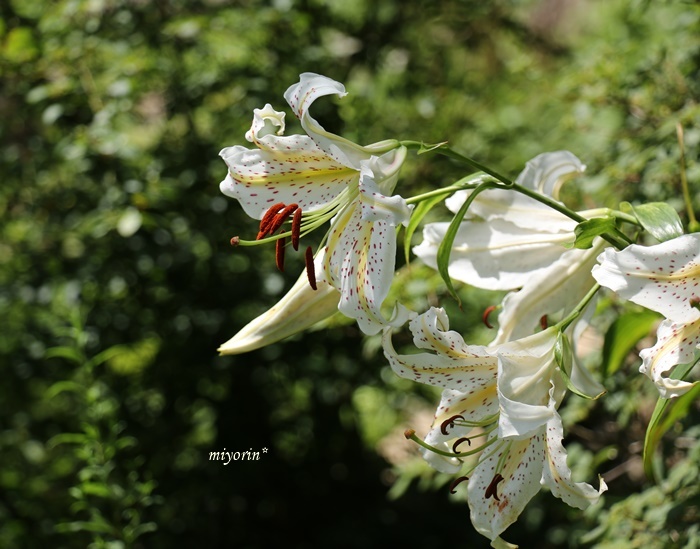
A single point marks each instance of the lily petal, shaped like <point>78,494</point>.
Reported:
<point>494,255</point>
<point>557,475</point>
<point>522,465</point>
<point>676,344</point>
<point>292,170</point>
<point>360,262</point>
<point>298,310</point>
<point>559,287</point>
<point>525,384</point>
<point>301,95</point>
<point>548,171</point>
<point>664,278</point>
<point>514,207</point>
<point>467,368</point>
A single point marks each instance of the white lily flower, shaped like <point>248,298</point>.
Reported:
<point>664,278</point>
<point>507,237</point>
<point>299,309</point>
<point>508,394</point>
<point>326,177</point>
<point>553,289</point>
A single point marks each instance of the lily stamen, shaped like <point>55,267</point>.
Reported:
<point>279,253</point>
<point>485,316</point>
<point>460,441</point>
<point>455,482</point>
<point>279,219</point>
<point>267,220</point>
<point>296,228</point>
<point>235,240</point>
<point>310,270</point>
<point>544,322</point>
<point>410,434</point>
<point>450,422</point>
<point>492,489</point>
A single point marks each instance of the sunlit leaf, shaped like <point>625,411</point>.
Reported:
<point>666,414</point>
<point>622,335</point>
<point>586,231</point>
<point>659,219</point>
<point>417,216</point>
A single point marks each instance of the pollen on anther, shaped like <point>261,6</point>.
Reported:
<point>279,253</point>
<point>449,423</point>
<point>296,228</point>
<point>485,316</point>
<point>310,270</point>
<point>235,241</point>
<point>455,482</point>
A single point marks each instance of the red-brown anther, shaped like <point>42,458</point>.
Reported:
<point>695,302</point>
<point>279,253</point>
<point>296,228</point>
<point>485,316</point>
<point>408,433</point>
<point>460,441</point>
<point>492,489</point>
<point>455,482</point>
<point>544,324</point>
<point>235,241</point>
<point>267,220</point>
<point>449,423</point>
<point>281,217</point>
<point>310,270</point>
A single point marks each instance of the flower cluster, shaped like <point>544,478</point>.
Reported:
<point>500,401</point>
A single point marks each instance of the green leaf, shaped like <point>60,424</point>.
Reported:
<point>424,148</point>
<point>419,212</point>
<point>666,413</point>
<point>658,218</point>
<point>445,249</point>
<point>586,231</point>
<point>623,335</point>
<point>69,353</point>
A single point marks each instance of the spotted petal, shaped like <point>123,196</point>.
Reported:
<point>676,344</point>
<point>361,252</point>
<point>454,365</point>
<point>664,278</point>
<point>522,465</point>
<point>289,170</point>
<point>301,95</point>
<point>556,475</point>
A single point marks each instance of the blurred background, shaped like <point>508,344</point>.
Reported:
<point>117,280</point>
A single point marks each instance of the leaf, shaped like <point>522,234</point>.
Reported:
<point>69,353</point>
<point>431,147</point>
<point>666,413</point>
<point>445,249</point>
<point>417,216</point>
<point>586,231</point>
<point>658,218</point>
<point>623,335</point>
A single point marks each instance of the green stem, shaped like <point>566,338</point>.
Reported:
<point>692,222</point>
<point>468,182</point>
<point>412,436</point>
<point>445,150</point>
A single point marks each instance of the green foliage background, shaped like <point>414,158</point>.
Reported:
<point>117,282</point>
